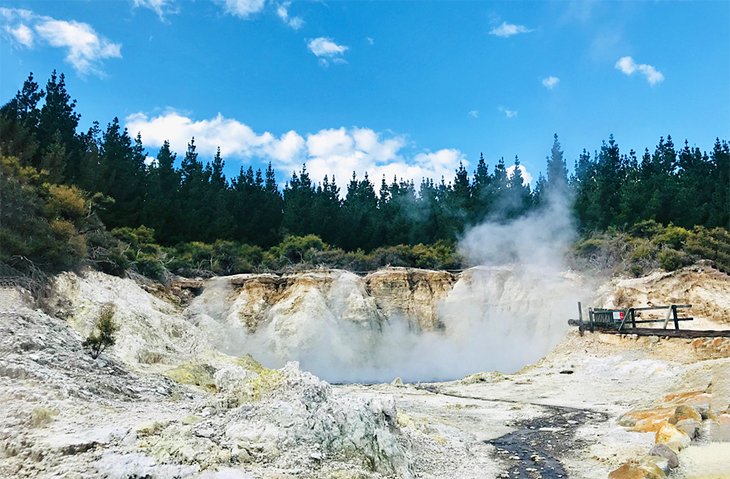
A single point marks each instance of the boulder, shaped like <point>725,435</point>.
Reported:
<point>637,470</point>
<point>652,463</point>
<point>672,437</point>
<point>689,426</point>
<point>662,450</point>
<point>685,411</point>
<point>646,420</point>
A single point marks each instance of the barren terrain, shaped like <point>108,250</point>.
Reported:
<point>178,397</point>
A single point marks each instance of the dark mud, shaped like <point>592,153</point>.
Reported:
<point>535,449</point>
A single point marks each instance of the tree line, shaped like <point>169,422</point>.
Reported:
<point>190,199</point>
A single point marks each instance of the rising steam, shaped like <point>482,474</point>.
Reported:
<point>502,314</point>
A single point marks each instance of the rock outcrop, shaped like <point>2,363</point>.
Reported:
<point>411,293</point>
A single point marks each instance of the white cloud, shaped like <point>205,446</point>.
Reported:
<point>15,13</point>
<point>282,11</point>
<point>628,66</point>
<point>550,82</point>
<point>21,34</point>
<point>526,175</point>
<point>289,148</point>
<point>327,50</point>
<point>233,137</point>
<point>160,7</point>
<point>506,30</point>
<point>85,48</point>
<point>370,40</point>
<point>473,113</point>
<point>507,112</point>
<point>242,8</point>
<point>338,151</point>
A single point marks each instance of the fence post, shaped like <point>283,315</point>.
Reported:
<point>580,318</point>
<point>674,314</point>
<point>590,319</point>
<point>633,317</point>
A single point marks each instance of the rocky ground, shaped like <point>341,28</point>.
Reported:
<point>173,399</point>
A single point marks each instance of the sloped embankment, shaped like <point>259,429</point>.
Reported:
<point>163,403</point>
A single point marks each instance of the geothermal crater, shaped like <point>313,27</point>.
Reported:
<point>221,378</point>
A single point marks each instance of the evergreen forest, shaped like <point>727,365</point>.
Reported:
<point>70,198</point>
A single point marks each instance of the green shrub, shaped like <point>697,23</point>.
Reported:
<point>671,259</point>
<point>230,257</point>
<point>589,246</point>
<point>102,336</point>
<point>672,237</point>
<point>151,266</point>
<point>646,229</point>
<point>296,249</point>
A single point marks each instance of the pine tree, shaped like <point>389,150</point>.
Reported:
<point>90,154</point>
<point>359,215</point>
<point>720,184</point>
<point>481,200</point>
<point>122,176</point>
<point>610,176</point>
<point>298,204</point>
<point>162,201</point>
<point>662,187</point>
<point>518,195</point>
<point>19,124</point>
<point>584,185</point>
<point>58,121</point>
<point>557,171</point>
<point>54,159</point>
<point>327,206</point>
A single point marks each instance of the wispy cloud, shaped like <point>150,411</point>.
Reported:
<point>21,34</point>
<point>242,8</point>
<point>327,50</point>
<point>506,30</point>
<point>161,7</point>
<point>473,113</point>
<point>628,66</point>
<point>339,151</point>
<point>507,112</point>
<point>580,10</point>
<point>85,48</point>
<point>282,11</point>
<point>550,82</point>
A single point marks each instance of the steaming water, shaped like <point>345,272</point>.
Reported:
<point>501,315</point>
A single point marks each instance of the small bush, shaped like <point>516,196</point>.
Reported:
<point>646,229</point>
<point>151,266</point>
<point>297,249</point>
<point>671,259</point>
<point>68,201</point>
<point>672,236</point>
<point>102,335</point>
<point>41,416</point>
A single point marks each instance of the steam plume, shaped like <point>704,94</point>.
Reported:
<point>502,314</point>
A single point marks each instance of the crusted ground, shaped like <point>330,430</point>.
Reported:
<point>169,400</point>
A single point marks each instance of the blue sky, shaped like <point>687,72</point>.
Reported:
<point>406,88</point>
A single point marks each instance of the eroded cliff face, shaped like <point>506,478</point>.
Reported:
<point>415,295</point>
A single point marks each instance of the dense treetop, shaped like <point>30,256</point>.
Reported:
<point>189,199</point>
